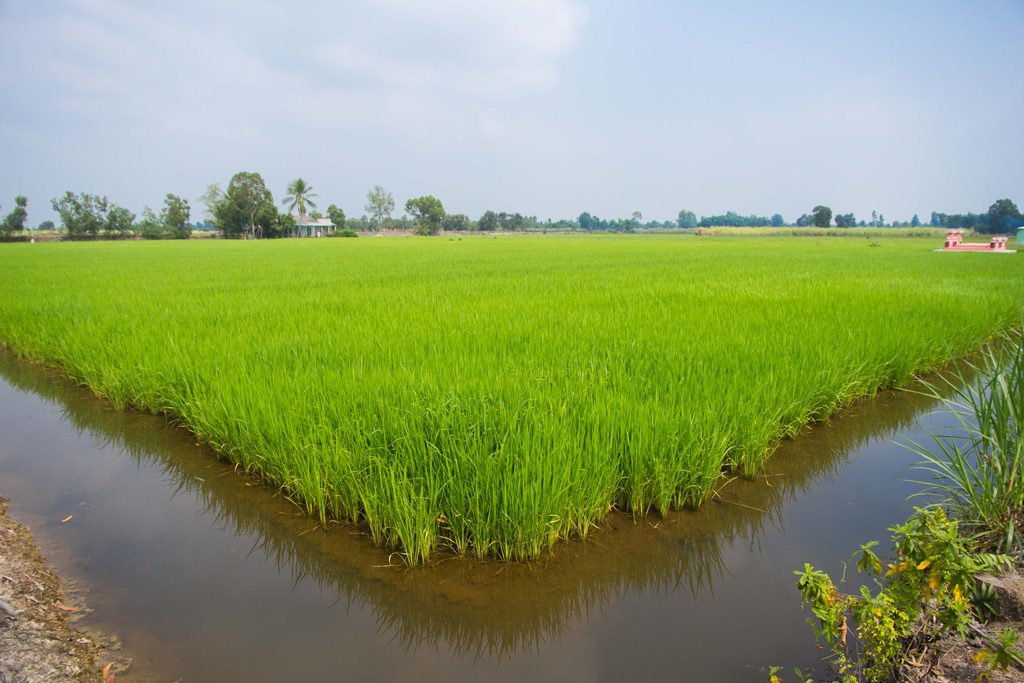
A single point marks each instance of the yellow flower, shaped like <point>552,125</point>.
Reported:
<point>897,568</point>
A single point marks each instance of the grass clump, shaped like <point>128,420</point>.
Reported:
<point>979,474</point>
<point>491,397</point>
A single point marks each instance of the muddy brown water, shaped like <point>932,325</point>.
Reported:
<point>209,576</point>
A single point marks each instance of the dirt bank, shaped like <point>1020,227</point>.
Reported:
<point>38,641</point>
<point>956,660</point>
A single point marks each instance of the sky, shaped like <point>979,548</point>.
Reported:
<point>545,107</point>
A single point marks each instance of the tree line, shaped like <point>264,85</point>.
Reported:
<point>246,209</point>
<point>1002,216</point>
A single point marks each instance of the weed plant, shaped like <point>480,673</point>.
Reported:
<point>924,593</point>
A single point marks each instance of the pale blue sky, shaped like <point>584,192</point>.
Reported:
<point>547,107</point>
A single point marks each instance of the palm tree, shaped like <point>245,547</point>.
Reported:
<point>300,195</point>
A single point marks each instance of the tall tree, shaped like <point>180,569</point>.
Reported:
<point>176,216</point>
<point>428,213</point>
<point>300,194</point>
<point>80,215</point>
<point>379,204</point>
<point>845,220</point>
<point>777,220</point>
<point>15,220</point>
<point>822,216</point>
<point>1004,216</point>
<point>488,222</point>
<point>119,221</point>
<point>247,207</point>
<point>687,219</point>
<point>337,216</point>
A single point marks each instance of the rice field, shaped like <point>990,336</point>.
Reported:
<point>491,396</point>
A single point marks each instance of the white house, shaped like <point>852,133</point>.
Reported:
<point>307,226</point>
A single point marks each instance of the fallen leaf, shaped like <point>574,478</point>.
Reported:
<point>65,608</point>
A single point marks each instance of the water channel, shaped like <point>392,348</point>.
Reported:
<point>209,576</point>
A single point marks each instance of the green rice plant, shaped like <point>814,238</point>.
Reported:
<point>979,474</point>
<point>493,397</point>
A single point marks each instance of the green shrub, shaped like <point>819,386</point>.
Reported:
<point>344,232</point>
<point>923,594</point>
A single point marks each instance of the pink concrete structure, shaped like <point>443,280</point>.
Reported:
<point>955,242</point>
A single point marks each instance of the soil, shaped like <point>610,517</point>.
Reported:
<point>38,639</point>
<point>954,660</point>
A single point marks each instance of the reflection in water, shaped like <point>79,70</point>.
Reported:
<point>710,591</point>
<point>485,610</point>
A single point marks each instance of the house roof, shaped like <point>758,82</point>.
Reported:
<point>305,220</point>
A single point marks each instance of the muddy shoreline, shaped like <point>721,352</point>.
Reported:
<point>39,638</point>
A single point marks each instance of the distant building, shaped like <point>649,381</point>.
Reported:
<point>307,226</point>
